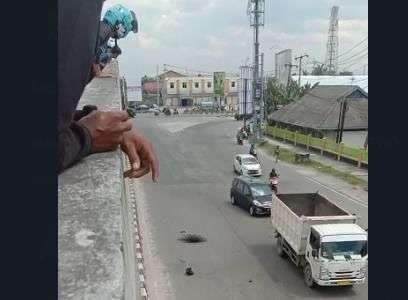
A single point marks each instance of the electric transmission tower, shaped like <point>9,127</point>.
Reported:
<point>256,12</point>
<point>333,41</point>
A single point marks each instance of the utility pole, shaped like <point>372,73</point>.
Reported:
<point>343,116</point>
<point>158,86</point>
<point>262,90</point>
<point>289,73</point>
<point>339,122</point>
<point>256,10</point>
<point>245,99</point>
<point>300,65</point>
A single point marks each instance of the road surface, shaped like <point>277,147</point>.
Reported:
<point>238,260</point>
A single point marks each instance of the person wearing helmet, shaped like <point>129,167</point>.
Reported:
<point>116,24</point>
<point>87,131</point>
<point>273,174</point>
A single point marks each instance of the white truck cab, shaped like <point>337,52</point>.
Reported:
<point>337,254</point>
<point>321,238</point>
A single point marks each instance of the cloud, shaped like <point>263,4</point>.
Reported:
<point>147,42</point>
<point>215,34</point>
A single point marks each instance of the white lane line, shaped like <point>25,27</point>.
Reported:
<point>359,202</point>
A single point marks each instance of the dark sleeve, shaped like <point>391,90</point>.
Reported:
<point>74,143</point>
<point>78,24</point>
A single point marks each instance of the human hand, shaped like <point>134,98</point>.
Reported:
<point>141,153</point>
<point>106,129</point>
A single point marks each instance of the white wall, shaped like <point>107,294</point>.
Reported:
<point>171,91</point>
<point>354,138</point>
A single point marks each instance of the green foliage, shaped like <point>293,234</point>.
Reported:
<point>279,94</point>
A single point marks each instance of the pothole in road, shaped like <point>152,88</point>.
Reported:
<point>191,238</point>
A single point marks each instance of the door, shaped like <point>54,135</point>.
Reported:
<point>313,244</point>
<point>239,192</point>
<point>246,196</point>
<point>234,189</point>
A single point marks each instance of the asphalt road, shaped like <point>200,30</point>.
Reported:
<point>238,260</point>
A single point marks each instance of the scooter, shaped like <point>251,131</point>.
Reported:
<point>273,183</point>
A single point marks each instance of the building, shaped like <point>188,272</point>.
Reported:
<point>181,90</point>
<point>317,113</point>
<point>282,61</point>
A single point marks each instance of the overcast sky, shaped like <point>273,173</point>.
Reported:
<point>214,35</point>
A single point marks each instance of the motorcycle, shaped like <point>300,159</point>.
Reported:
<point>253,153</point>
<point>273,183</point>
<point>239,140</point>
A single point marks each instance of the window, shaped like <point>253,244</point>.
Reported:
<point>246,190</point>
<point>184,85</point>
<point>172,85</point>
<point>261,190</point>
<point>196,85</point>
<point>233,84</point>
<point>209,84</point>
<point>250,161</point>
<point>330,249</point>
<point>314,239</point>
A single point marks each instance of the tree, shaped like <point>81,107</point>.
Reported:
<point>319,69</point>
<point>278,94</point>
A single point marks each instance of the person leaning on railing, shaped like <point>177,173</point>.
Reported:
<point>81,133</point>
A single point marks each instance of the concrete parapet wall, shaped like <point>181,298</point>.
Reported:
<point>95,259</point>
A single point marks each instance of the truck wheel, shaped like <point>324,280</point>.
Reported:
<point>252,211</point>
<point>279,247</point>
<point>307,272</point>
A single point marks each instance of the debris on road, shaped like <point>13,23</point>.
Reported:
<point>192,238</point>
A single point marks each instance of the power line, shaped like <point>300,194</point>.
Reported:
<point>353,64</point>
<point>355,59</point>
<point>355,46</point>
<point>365,51</point>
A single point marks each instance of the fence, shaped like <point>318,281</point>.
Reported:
<point>324,145</point>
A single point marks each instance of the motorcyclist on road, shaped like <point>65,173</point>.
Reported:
<point>273,174</point>
<point>252,150</point>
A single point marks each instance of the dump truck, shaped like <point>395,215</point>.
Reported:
<point>320,238</point>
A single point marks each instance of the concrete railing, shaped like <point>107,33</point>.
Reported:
<point>96,257</point>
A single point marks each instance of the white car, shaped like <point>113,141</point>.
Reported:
<point>246,164</point>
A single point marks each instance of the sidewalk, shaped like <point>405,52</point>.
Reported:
<point>328,161</point>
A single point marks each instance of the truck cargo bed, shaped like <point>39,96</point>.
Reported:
<point>310,205</point>
<point>293,214</point>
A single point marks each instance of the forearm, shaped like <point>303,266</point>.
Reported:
<point>74,143</point>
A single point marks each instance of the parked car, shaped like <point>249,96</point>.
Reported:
<point>251,194</point>
<point>247,164</point>
<point>142,108</point>
<point>154,110</point>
